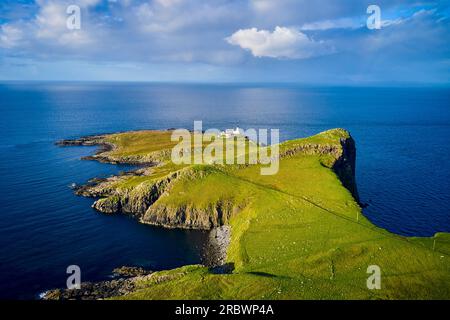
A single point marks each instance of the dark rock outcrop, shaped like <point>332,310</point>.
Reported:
<point>189,217</point>
<point>216,247</point>
<point>345,166</point>
<point>130,279</point>
<point>130,272</point>
<point>93,291</point>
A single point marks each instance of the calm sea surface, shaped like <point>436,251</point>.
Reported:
<point>403,166</point>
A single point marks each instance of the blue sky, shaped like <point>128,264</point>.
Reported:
<point>301,41</point>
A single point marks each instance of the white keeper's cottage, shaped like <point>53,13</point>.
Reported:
<point>228,133</point>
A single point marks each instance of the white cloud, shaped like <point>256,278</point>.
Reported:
<point>51,20</point>
<point>189,31</point>
<point>10,36</point>
<point>263,5</point>
<point>343,23</point>
<point>168,3</point>
<point>81,3</point>
<point>51,24</point>
<point>281,43</point>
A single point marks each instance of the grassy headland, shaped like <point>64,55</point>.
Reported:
<point>299,234</point>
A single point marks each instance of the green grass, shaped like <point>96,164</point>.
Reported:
<point>138,143</point>
<point>299,234</point>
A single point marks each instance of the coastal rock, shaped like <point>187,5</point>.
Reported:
<point>130,271</point>
<point>344,159</point>
<point>126,280</point>
<point>84,141</point>
<point>189,217</point>
<point>93,291</point>
<point>135,201</point>
<point>345,166</point>
<point>216,248</point>
<point>108,205</point>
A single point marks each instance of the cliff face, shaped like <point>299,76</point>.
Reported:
<point>345,166</point>
<point>134,201</point>
<point>343,158</point>
<point>141,201</point>
<point>190,217</point>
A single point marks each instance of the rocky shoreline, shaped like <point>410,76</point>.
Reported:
<point>104,148</point>
<point>125,280</point>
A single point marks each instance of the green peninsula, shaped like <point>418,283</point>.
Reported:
<point>298,234</point>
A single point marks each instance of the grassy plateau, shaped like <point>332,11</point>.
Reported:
<point>298,234</point>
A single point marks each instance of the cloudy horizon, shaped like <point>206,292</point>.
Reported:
<point>322,42</point>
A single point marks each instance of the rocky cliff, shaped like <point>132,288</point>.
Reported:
<point>343,158</point>
<point>345,166</point>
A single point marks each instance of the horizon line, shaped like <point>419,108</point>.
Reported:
<point>392,84</point>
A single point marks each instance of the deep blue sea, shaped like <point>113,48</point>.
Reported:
<point>403,165</point>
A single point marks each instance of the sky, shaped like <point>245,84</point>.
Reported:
<point>273,41</point>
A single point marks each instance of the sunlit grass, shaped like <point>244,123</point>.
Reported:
<point>298,234</point>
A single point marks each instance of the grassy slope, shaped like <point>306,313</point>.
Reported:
<point>300,235</point>
<point>140,142</point>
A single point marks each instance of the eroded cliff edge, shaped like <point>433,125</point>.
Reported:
<point>345,166</point>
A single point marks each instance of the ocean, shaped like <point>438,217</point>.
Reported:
<point>403,165</point>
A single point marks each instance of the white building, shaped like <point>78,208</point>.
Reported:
<point>228,133</point>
